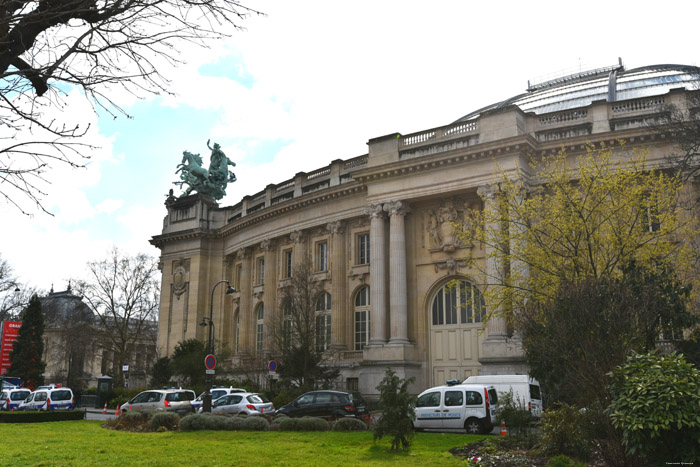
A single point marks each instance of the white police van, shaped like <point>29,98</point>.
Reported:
<point>11,397</point>
<point>50,398</point>
<point>526,390</point>
<point>455,406</point>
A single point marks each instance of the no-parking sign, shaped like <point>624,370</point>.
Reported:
<point>272,365</point>
<point>210,362</point>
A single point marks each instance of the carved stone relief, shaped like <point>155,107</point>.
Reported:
<point>443,223</point>
<point>180,277</point>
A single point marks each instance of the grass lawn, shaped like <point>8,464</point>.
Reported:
<point>86,443</point>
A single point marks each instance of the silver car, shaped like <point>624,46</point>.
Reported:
<point>246,403</point>
<point>166,400</point>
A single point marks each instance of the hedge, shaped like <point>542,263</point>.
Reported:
<point>36,417</point>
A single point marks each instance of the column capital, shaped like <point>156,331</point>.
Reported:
<point>374,211</point>
<point>337,227</point>
<point>397,208</point>
<point>266,245</point>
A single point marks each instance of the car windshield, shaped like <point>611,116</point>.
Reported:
<point>257,399</point>
<point>19,395</point>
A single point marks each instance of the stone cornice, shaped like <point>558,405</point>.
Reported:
<point>159,240</point>
<point>523,143</point>
<point>310,199</point>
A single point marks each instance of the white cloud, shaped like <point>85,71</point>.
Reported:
<point>109,205</point>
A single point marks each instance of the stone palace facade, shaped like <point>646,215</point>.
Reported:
<point>378,230</point>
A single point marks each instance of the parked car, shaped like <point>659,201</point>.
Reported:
<point>11,397</point>
<point>216,392</point>
<point>167,400</point>
<point>526,390</point>
<point>49,398</point>
<point>243,402</point>
<point>325,404</point>
<point>469,407</point>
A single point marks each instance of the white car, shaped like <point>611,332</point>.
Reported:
<point>244,402</point>
<point>12,397</point>
<point>49,398</point>
<point>216,392</point>
<point>167,400</point>
<point>469,407</point>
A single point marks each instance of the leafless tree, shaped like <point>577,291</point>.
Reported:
<point>299,337</point>
<point>683,124</point>
<point>14,296</point>
<point>123,292</point>
<point>99,47</point>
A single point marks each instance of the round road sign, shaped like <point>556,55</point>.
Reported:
<point>210,362</point>
<point>272,365</point>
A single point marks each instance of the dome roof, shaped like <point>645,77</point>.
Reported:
<point>610,83</point>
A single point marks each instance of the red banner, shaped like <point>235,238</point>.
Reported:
<point>8,335</point>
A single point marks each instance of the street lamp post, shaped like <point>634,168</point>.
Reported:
<point>206,403</point>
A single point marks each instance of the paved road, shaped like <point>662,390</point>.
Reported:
<point>96,414</point>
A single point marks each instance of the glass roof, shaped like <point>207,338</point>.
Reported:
<point>617,85</point>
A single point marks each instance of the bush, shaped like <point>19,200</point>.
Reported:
<point>255,424</point>
<point>196,422</point>
<point>349,424</point>
<point>655,404</point>
<point>283,398</point>
<point>34,417</point>
<point>518,420</point>
<point>303,424</point>
<point>565,430</point>
<point>133,421</point>
<point>168,420</point>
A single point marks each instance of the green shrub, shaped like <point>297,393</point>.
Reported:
<point>36,417</point>
<point>169,420</point>
<point>255,424</point>
<point>564,461</point>
<point>565,430</point>
<point>283,398</point>
<point>133,421</point>
<point>655,404</point>
<point>349,424</point>
<point>303,424</point>
<point>196,422</point>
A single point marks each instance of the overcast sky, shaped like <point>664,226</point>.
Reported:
<point>311,82</point>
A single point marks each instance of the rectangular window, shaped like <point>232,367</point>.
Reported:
<point>363,248</point>
<point>260,270</point>
<point>323,331</point>
<point>650,215</point>
<point>287,266</point>
<point>322,256</point>
<point>352,384</point>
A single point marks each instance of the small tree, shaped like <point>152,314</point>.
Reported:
<point>188,361</point>
<point>397,410</point>
<point>25,358</point>
<point>655,403</point>
<point>161,372</point>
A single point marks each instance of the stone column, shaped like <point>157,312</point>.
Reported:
<point>269,291</point>
<point>494,270</point>
<point>339,319</point>
<point>398,308</point>
<point>299,252</point>
<point>377,272</point>
<point>246,313</point>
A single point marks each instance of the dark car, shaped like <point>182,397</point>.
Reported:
<point>332,404</point>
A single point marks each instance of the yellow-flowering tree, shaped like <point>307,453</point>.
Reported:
<point>578,218</point>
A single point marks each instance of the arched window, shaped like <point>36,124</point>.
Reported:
<point>458,300</point>
<point>260,313</point>
<point>362,318</point>
<point>323,322</point>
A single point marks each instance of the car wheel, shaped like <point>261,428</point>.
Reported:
<point>473,426</point>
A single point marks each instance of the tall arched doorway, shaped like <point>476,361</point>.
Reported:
<point>456,311</point>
